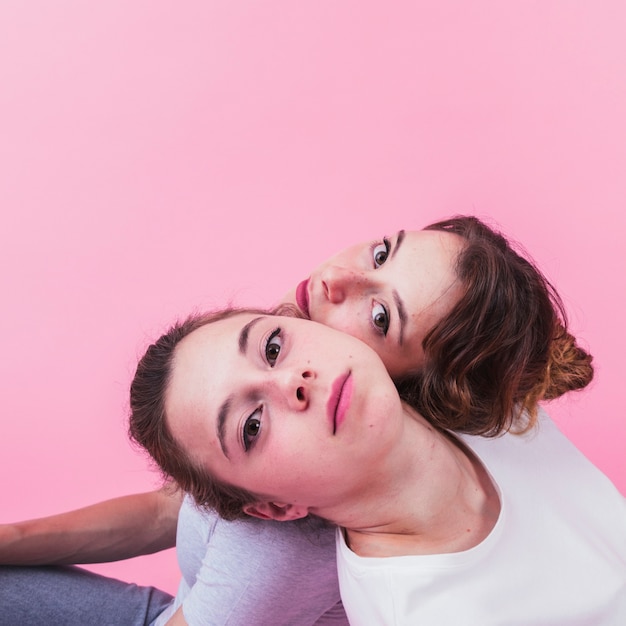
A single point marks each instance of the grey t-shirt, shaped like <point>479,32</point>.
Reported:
<point>255,572</point>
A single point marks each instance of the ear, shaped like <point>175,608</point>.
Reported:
<point>278,511</point>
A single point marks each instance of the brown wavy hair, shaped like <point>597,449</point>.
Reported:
<point>502,348</point>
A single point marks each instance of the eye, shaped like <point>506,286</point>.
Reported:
<point>380,253</point>
<point>272,347</point>
<point>380,318</point>
<point>251,429</point>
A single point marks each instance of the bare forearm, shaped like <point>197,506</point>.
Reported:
<point>108,531</point>
<point>178,619</point>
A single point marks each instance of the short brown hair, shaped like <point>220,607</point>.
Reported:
<point>502,348</point>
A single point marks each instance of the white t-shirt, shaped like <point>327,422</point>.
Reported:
<point>556,556</point>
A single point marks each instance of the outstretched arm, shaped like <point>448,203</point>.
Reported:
<point>112,530</point>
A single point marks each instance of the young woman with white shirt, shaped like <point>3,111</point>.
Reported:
<point>280,419</point>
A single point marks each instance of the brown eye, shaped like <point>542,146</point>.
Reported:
<point>380,253</point>
<point>380,318</point>
<point>273,346</point>
<point>251,429</point>
<point>272,352</point>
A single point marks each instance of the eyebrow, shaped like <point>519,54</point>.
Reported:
<point>399,240</point>
<point>221,425</point>
<point>223,412</point>
<point>396,296</point>
<point>401,315</point>
<point>245,333</point>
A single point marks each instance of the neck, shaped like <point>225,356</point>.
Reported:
<point>432,496</point>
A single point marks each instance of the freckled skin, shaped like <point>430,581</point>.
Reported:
<point>351,290</point>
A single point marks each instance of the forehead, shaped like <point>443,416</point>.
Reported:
<point>201,372</point>
<point>433,245</point>
<point>431,248</point>
<point>207,345</point>
<point>426,266</point>
<point>423,274</point>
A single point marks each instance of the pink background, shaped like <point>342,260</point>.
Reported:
<point>157,157</point>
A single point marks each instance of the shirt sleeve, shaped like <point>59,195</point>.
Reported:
<point>260,572</point>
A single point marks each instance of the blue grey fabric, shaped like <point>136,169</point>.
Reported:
<point>71,596</point>
<point>252,571</point>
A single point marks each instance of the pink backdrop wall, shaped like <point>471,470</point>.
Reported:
<point>157,157</point>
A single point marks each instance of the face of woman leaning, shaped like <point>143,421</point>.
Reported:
<point>283,407</point>
<point>389,293</point>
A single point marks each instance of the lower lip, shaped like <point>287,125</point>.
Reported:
<point>343,404</point>
<point>302,297</point>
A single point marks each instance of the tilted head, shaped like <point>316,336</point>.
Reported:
<point>387,292</point>
<point>247,408</point>
<point>469,328</point>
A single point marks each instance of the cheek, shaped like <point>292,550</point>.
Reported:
<point>350,319</point>
<point>395,364</point>
<point>297,470</point>
<point>411,359</point>
<point>400,361</point>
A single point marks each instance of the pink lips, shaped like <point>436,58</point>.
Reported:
<point>339,401</point>
<point>302,297</point>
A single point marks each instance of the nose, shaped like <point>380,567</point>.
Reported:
<point>338,282</point>
<point>294,387</point>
